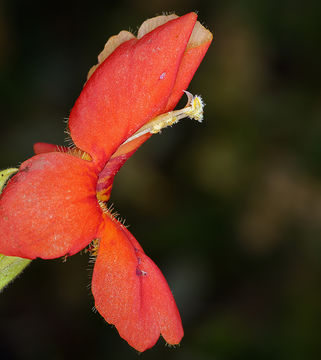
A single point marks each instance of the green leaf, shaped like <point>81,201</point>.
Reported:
<point>10,266</point>
<point>5,175</point>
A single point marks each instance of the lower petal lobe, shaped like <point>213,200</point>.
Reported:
<point>130,291</point>
<point>49,208</point>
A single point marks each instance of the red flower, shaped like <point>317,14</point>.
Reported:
<point>55,205</point>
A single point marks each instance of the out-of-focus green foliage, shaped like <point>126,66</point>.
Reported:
<point>230,209</point>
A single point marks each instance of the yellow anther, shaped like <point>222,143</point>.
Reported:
<point>193,110</point>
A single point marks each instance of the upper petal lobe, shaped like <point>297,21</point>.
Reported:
<point>191,60</point>
<point>49,208</point>
<point>129,88</point>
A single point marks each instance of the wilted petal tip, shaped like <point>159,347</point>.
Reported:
<point>150,24</point>
<point>200,35</point>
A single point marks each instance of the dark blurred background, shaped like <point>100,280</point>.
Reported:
<point>230,210</point>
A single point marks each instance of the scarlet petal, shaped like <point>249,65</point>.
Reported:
<point>42,148</point>
<point>49,208</point>
<point>130,291</point>
<point>190,62</point>
<point>106,176</point>
<point>129,88</point>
